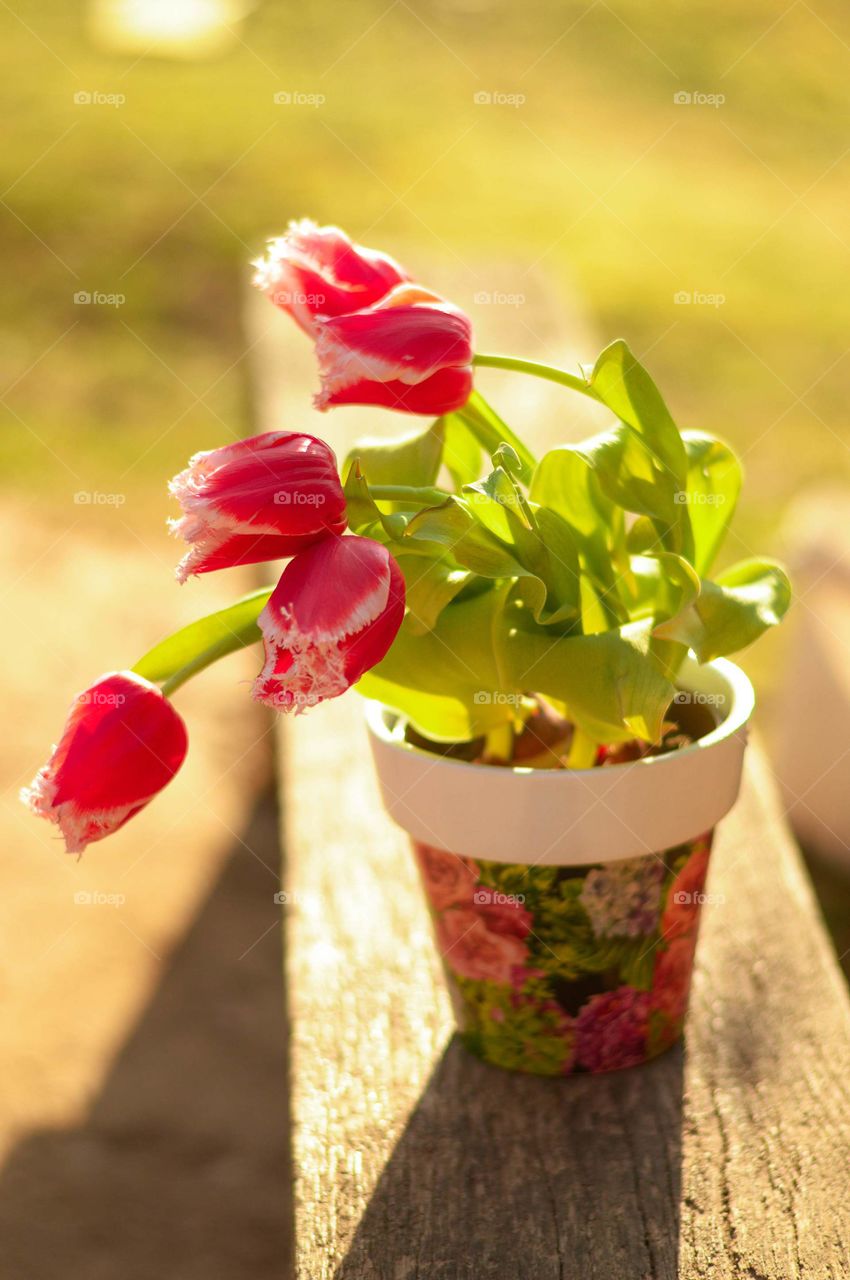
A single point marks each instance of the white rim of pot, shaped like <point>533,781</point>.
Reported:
<point>569,817</point>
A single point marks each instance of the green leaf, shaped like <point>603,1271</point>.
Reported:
<point>561,571</point>
<point>622,383</point>
<point>609,682</point>
<point>364,516</point>
<point>733,611</point>
<point>429,586</point>
<point>496,503</point>
<point>490,431</point>
<point>664,585</point>
<point>410,460</point>
<point>714,482</point>
<point>446,681</point>
<point>631,476</point>
<point>453,526</point>
<point>565,482</point>
<point>462,454</point>
<point>203,642</point>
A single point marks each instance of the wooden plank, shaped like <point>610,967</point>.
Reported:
<point>414,1160</point>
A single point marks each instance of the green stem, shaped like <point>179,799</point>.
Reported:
<point>186,652</point>
<point>427,496</point>
<point>537,370</point>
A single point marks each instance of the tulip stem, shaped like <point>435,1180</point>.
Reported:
<point>186,652</point>
<point>425,496</point>
<point>537,370</point>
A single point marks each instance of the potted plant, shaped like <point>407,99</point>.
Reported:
<point>542,640</point>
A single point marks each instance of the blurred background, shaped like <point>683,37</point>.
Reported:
<point>571,172</point>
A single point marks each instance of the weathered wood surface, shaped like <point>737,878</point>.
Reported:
<point>413,1161</point>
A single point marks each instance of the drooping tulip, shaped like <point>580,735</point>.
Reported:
<point>317,271</point>
<point>122,743</point>
<point>411,351</point>
<point>332,616</point>
<point>259,499</point>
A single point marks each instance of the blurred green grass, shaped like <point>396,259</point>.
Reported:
<point>598,179</point>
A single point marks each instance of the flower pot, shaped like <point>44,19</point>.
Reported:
<point>566,903</point>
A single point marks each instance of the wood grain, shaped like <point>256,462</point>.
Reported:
<point>724,1159</point>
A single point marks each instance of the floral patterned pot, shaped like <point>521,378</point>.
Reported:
<point>577,955</point>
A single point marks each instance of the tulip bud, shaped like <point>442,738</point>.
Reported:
<point>122,744</point>
<point>259,499</point>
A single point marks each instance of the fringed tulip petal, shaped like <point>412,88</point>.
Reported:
<point>333,615</point>
<point>123,742</point>
<point>259,499</point>
<point>317,271</point>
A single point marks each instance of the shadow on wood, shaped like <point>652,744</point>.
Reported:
<point>182,1168</point>
<point>498,1176</point>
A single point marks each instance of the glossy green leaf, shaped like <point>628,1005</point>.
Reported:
<point>490,431</point>
<point>631,476</point>
<point>412,459</point>
<point>430,585</point>
<point>664,585</point>
<point>714,482</point>
<point>608,682</point>
<point>365,517</point>
<point>203,642</point>
<point>622,383</point>
<point>565,482</point>
<point>446,681</point>
<point>733,611</point>
<point>462,454</point>
<point>452,526</point>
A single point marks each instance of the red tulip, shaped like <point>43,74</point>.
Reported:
<point>122,743</point>
<point>259,499</point>
<point>332,616</point>
<point>317,271</point>
<point>412,351</point>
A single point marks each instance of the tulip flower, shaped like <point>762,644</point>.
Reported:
<point>317,271</point>
<point>332,616</point>
<point>122,743</point>
<point>410,351</point>
<point>259,499</point>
